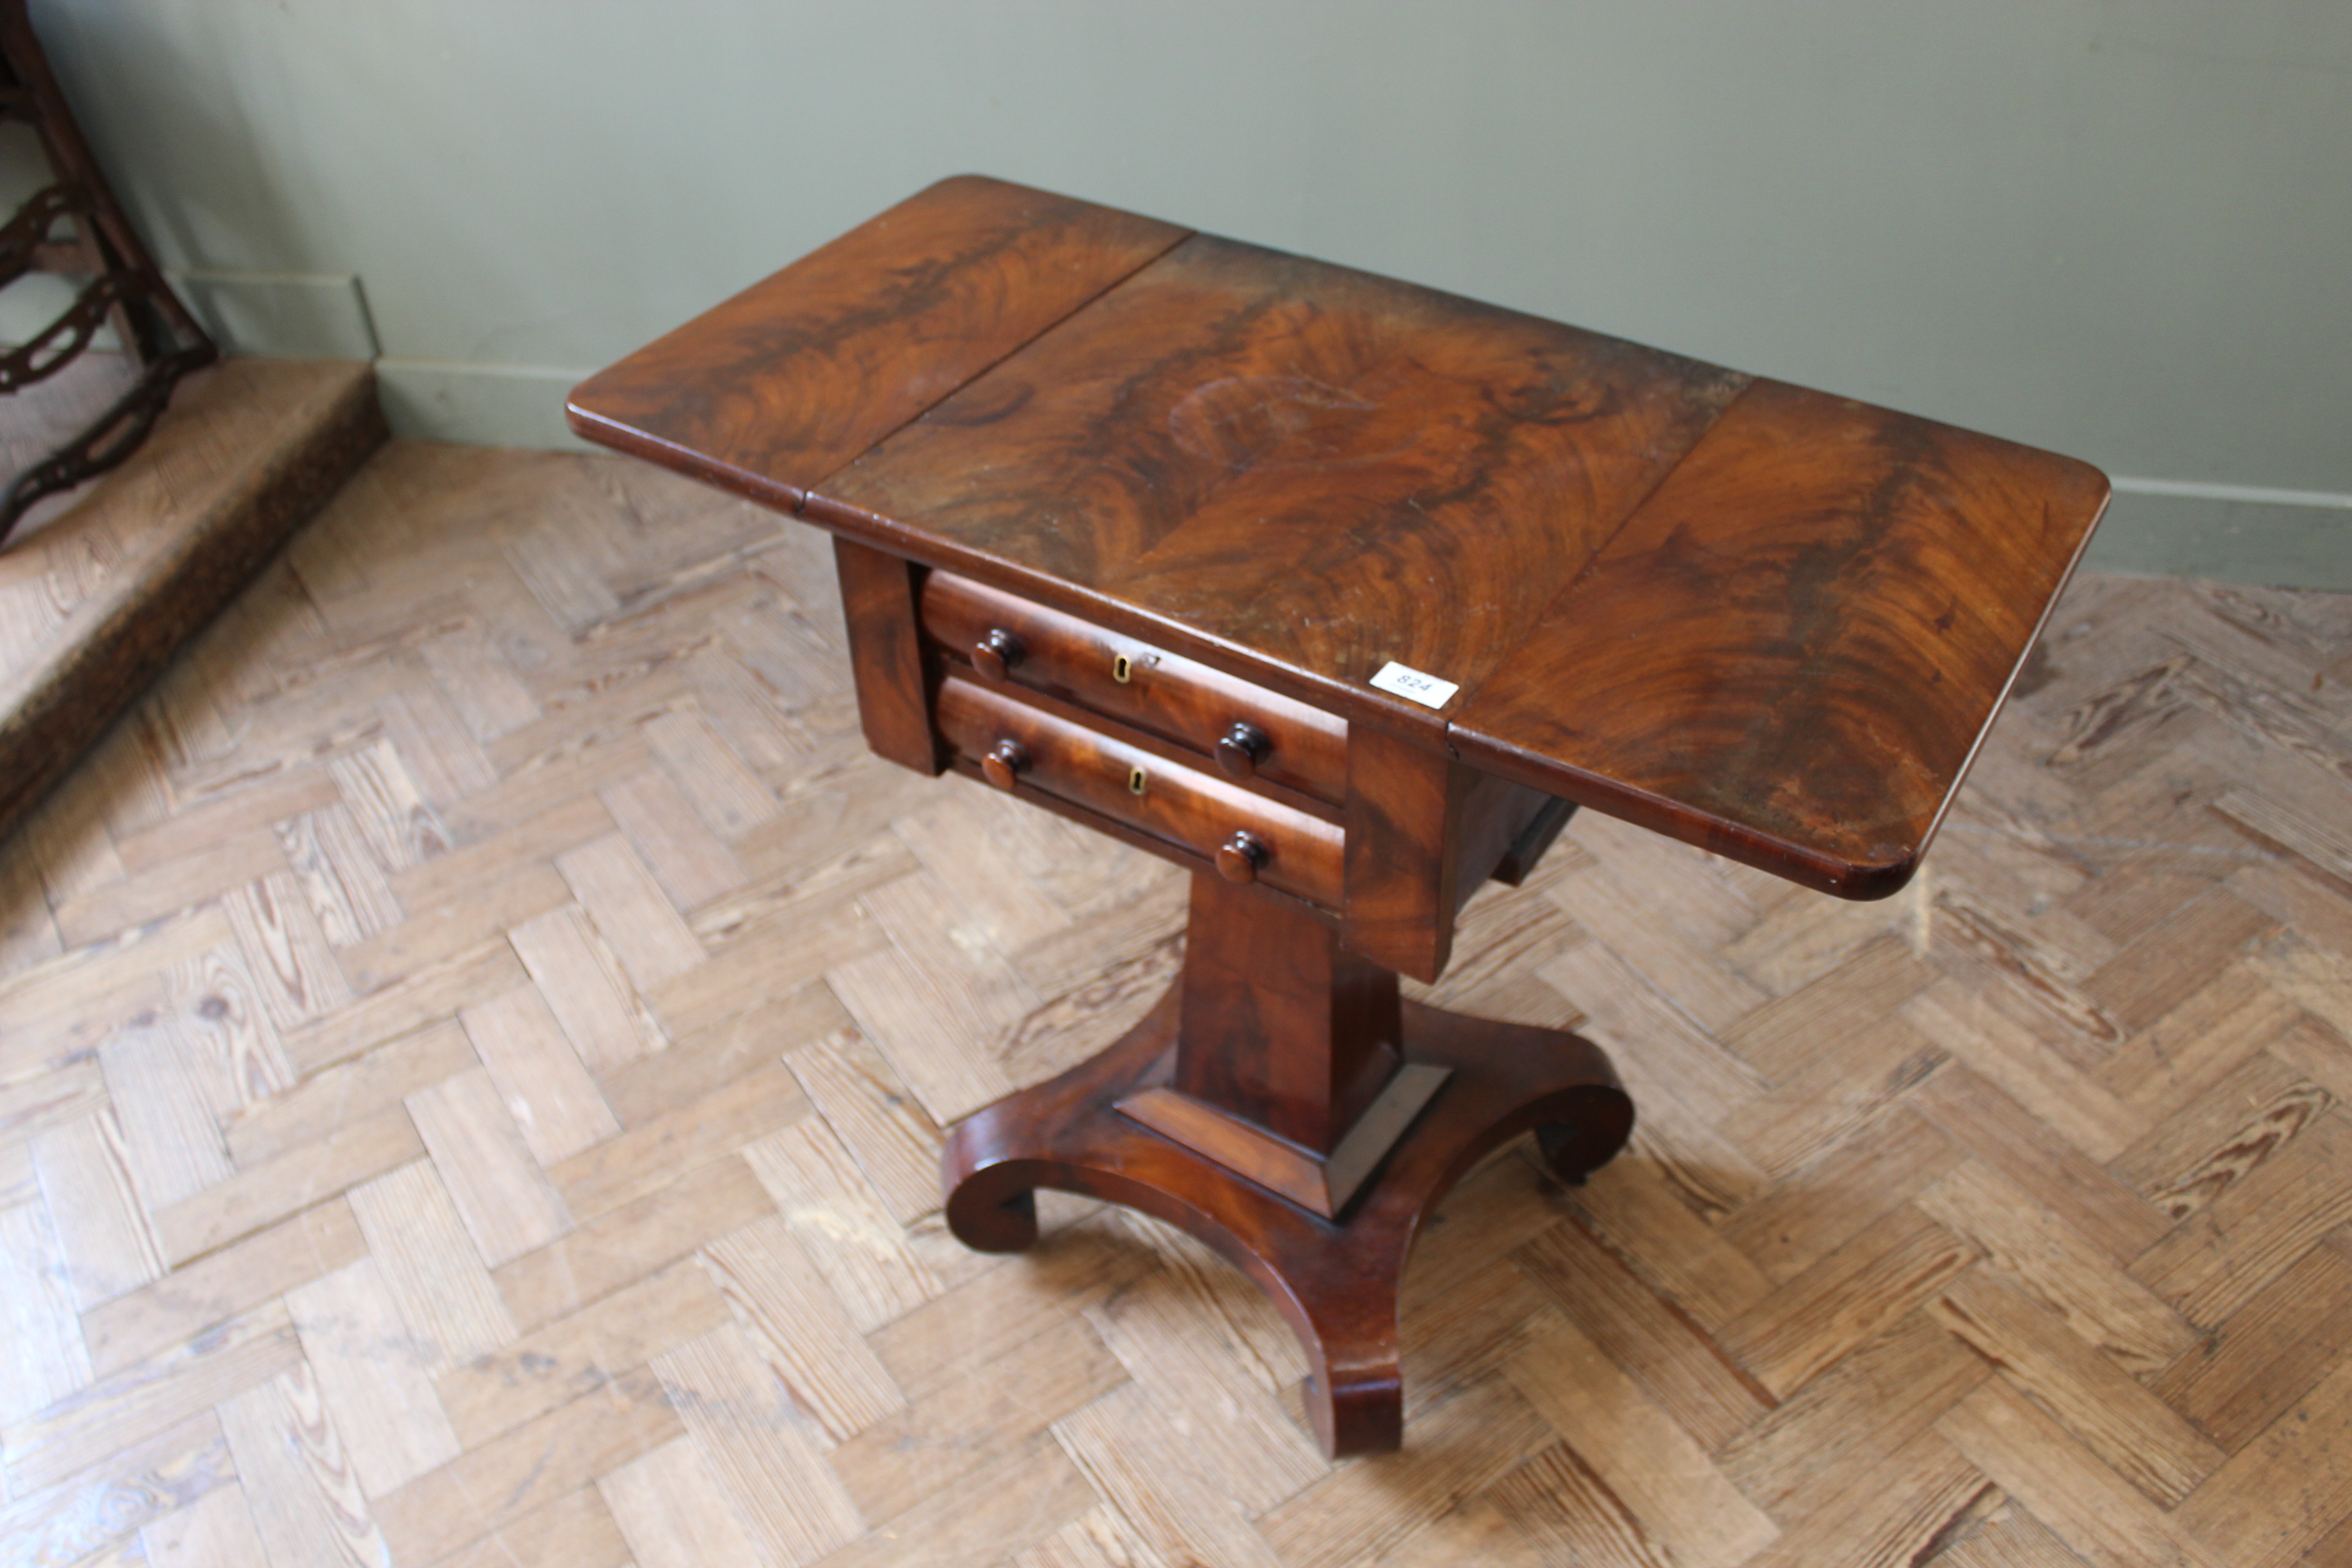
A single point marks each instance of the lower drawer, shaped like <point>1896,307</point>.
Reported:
<point>1262,839</point>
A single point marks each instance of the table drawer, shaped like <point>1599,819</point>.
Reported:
<point>1188,807</point>
<point>1008,640</point>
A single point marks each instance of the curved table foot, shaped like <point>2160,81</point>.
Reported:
<point>1335,1282</point>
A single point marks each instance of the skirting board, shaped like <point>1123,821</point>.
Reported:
<point>2223,533</point>
<point>479,404</point>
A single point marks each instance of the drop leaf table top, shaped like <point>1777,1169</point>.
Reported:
<point>1770,621</point>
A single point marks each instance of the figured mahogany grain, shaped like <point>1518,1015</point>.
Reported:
<point>1281,1025</point>
<point>1317,469</point>
<point>775,389</point>
<point>1792,649</point>
<point>885,656</point>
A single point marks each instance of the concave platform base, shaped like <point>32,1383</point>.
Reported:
<point>1336,1282</point>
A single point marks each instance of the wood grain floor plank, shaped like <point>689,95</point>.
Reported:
<point>216,1530</point>
<point>157,1087</point>
<point>45,1356</point>
<point>1557,1504</point>
<point>416,1236</point>
<point>625,1166</point>
<point>482,687</point>
<point>500,1387</point>
<point>2134,1433</point>
<point>759,1450</point>
<point>899,1461</point>
<point>1847,1299</point>
<point>437,992</point>
<point>353,1152</point>
<point>866,1104</point>
<point>356,1087</point>
<point>575,1530</point>
<point>729,796</point>
<point>340,875</point>
<point>2182,1056</point>
<point>507,1204</point>
<point>238,1056</point>
<point>235,1280</point>
<point>698,1065</point>
<point>1803,1219</point>
<point>267,802</point>
<point>1871,1404</point>
<point>1250,1442</point>
<point>938,1048</point>
<point>800,1327</point>
<point>692,863</point>
<point>841,1224</point>
<point>47,1097</point>
<point>1640,1453</point>
<point>548,1091</point>
<point>2222,1137</point>
<point>119,1411</point>
<point>1903,1509</point>
<point>447,878</point>
<point>372,1377</point>
<point>1144,1469</point>
<point>2268,1353</point>
<point>439,752</point>
<point>170,887</point>
<point>2004,1136</point>
<point>172,1469</point>
<point>295,970</point>
<point>2216,1261</point>
<point>497,1485</point>
<point>1639,1211</point>
<point>987,1317</point>
<point>2032,1250</point>
<point>672,1514</point>
<point>613,1249</point>
<point>1032,1491</point>
<point>653,941</point>
<point>447,933</point>
<point>1677,1364</point>
<point>2096,1512</point>
<point>2280,1495</point>
<point>1374,1509</point>
<point>95,1211</point>
<point>1978,1032</point>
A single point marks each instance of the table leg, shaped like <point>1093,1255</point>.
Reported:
<point>1336,1280</point>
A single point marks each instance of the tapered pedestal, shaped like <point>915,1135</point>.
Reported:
<point>1336,1280</point>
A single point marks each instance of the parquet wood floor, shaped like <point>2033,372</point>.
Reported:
<point>473,1043</point>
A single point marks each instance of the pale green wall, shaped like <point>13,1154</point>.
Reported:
<point>2120,228</point>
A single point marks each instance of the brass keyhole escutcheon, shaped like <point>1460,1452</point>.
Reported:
<point>1122,670</point>
<point>1134,783</point>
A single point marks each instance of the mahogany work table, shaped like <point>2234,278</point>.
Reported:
<point>1342,592</point>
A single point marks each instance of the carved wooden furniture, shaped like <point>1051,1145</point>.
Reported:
<point>124,286</point>
<point>1153,529</point>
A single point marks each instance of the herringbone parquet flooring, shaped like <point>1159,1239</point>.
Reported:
<point>474,1044</point>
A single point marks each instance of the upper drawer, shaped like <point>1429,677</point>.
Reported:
<point>1251,731</point>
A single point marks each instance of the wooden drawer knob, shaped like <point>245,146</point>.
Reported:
<point>1242,749</point>
<point>996,653</point>
<point>1004,763</point>
<point>1240,856</point>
